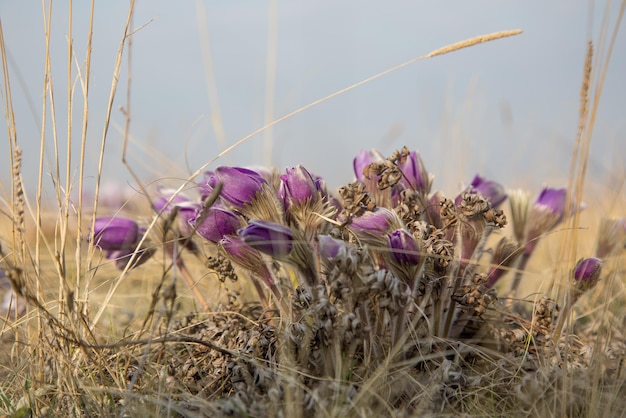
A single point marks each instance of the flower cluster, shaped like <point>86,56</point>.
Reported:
<point>384,266</point>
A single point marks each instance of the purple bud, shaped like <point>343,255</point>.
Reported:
<point>240,184</point>
<point>217,223</point>
<point>364,159</point>
<point>268,237</point>
<point>246,256</point>
<point>115,234</point>
<point>404,247</point>
<point>297,186</point>
<point>492,191</point>
<point>328,246</point>
<point>588,270</point>
<point>187,212</point>
<point>374,222</point>
<point>415,176</point>
<point>552,200</point>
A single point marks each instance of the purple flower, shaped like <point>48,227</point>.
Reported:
<point>588,270</point>
<point>165,195</point>
<point>328,246</point>
<point>268,237</point>
<point>364,159</point>
<point>374,222</point>
<point>244,255</point>
<point>298,186</point>
<point>115,234</point>
<point>404,247</point>
<point>240,184</point>
<point>492,191</point>
<point>217,223</point>
<point>552,201</point>
<point>415,176</point>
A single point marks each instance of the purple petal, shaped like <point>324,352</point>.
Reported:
<point>404,248</point>
<point>114,233</point>
<point>240,184</point>
<point>218,223</point>
<point>268,237</point>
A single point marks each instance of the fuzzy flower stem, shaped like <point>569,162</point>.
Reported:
<point>518,274</point>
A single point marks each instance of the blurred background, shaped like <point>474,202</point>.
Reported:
<point>205,74</point>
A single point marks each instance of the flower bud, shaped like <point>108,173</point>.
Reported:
<point>240,184</point>
<point>492,191</point>
<point>404,247</point>
<point>374,222</point>
<point>328,246</point>
<point>586,273</point>
<point>115,233</point>
<point>415,176</point>
<point>268,237</point>
<point>298,187</point>
<point>216,224</point>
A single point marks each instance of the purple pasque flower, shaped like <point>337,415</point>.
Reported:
<point>115,233</point>
<point>241,185</point>
<point>404,247</point>
<point>328,246</point>
<point>247,257</point>
<point>268,237</point>
<point>415,176</point>
<point>298,186</point>
<point>552,201</point>
<point>494,192</point>
<point>588,270</point>
<point>374,222</point>
<point>165,195</point>
<point>363,159</point>
<point>217,223</point>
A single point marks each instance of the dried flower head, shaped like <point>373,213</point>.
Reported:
<point>494,192</point>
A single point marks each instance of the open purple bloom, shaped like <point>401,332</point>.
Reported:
<point>404,247</point>
<point>240,184</point>
<point>491,190</point>
<point>268,237</point>
<point>217,223</point>
<point>298,186</point>
<point>415,176</point>
<point>364,159</point>
<point>115,233</point>
<point>588,270</point>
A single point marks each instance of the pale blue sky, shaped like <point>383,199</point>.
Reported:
<point>507,109</point>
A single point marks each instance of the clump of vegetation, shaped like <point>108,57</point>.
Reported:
<point>385,298</point>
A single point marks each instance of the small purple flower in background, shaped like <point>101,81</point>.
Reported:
<point>115,233</point>
<point>268,237</point>
<point>217,223</point>
<point>362,160</point>
<point>374,222</point>
<point>298,187</point>
<point>187,212</point>
<point>415,176</point>
<point>241,185</point>
<point>404,247</point>
<point>553,201</point>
